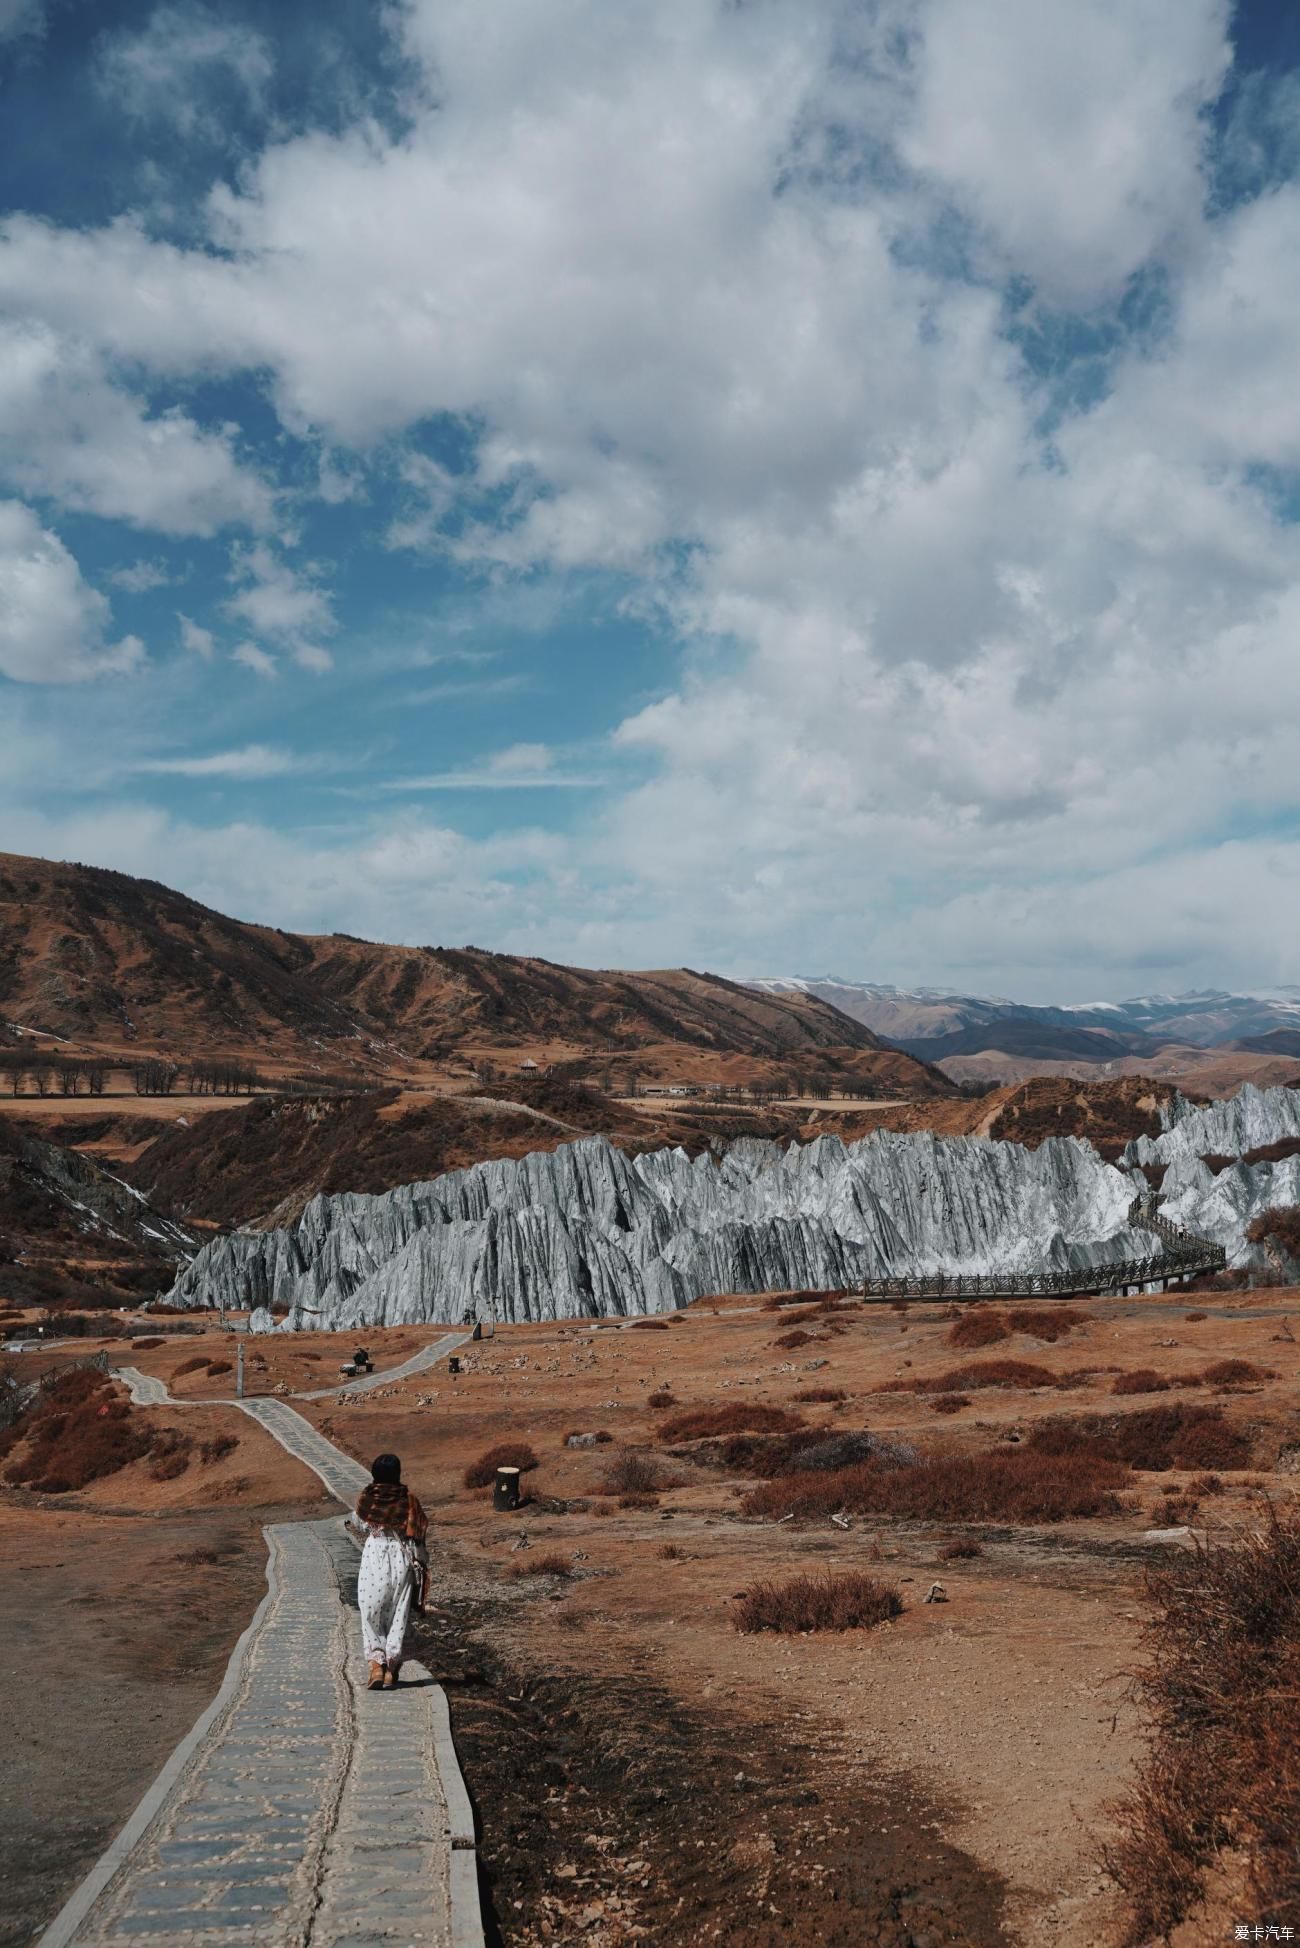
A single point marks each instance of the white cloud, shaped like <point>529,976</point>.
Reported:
<point>277,602</point>
<point>1072,135</point>
<point>196,639</point>
<point>726,317</point>
<point>52,624</point>
<point>167,70</point>
<point>253,658</point>
<point>139,577</point>
<point>67,431</point>
<point>251,761</point>
<point>519,767</point>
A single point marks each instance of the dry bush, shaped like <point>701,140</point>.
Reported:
<point>1082,1376</point>
<point>1143,1379</point>
<point>506,1454</point>
<point>634,1473</point>
<point>639,1500</point>
<point>1221,1698</point>
<point>845,1601</point>
<point>1233,1373</point>
<point>673,1552</point>
<point>1194,1318</point>
<point>552,1564</point>
<point>78,1431</point>
<point>736,1417</point>
<point>1051,1322</point>
<point>1010,1485</point>
<point>218,1448</point>
<point>775,1301</point>
<point>169,1452</point>
<point>648,1325</point>
<point>1153,1438</point>
<point>198,1364</point>
<point>960,1551</point>
<point>949,1403</point>
<point>1279,1226</point>
<point>821,1396</point>
<point>796,1338</point>
<point>981,1326</point>
<point>142,1345</point>
<point>661,1399</point>
<point>1206,1485</point>
<point>981,1373</point>
<point>219,1366</point>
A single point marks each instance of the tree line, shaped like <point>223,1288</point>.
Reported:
<point>39,1073</point>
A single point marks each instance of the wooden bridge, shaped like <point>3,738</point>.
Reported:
<point>1183,1256</point>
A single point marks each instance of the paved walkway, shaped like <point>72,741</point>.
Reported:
<point>303,1811</point>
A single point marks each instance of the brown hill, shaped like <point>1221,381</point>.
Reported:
<point>111,963</point>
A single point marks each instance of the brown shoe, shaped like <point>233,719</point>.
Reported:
<point>390,1677</point>
<point>378,1678</point>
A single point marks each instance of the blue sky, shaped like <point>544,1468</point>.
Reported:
<point>782,488</point>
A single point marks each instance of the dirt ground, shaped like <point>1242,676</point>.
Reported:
<point>641,1771</point>
<point>119,1608</point>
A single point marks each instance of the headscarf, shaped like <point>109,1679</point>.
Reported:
<point>391,1505</point>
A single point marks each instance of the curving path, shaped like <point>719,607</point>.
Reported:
<point>302,1811</point>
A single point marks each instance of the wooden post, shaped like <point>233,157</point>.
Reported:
<point>239,1371</point>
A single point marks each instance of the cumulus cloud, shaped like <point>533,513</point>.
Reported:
<point>196,639</point>
<point>68,432</point>
<point>277,602</point>
<point>53,625</point>
<point>771,315</point>
<point>20,17</point>
<point>139,577</point>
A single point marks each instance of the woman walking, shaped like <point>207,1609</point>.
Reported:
<point>392,1566</point>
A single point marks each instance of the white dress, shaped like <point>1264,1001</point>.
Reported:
<point>384,1595</point>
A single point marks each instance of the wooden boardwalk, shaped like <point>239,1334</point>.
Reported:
<point>1181,1256</point>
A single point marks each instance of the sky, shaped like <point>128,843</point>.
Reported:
<point>776,486</point>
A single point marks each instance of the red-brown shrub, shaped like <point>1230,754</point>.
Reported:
<point>1144,1379</point>
<point>218,1448</point>
<point>648,1325</point>
<point>219,1366</point>
<point>169,1454</point>
<point>78,1431</point>
<point>981,1326</point>
<point>1152,1438</point>
<point>197,1365</point>
<point>846,1601</point>
<point>736,1417</point>
<point>796,1338</point>
<point>142,1345</point>
<point>963,1550</point>
<point>506,1454</point>
<point>982,1373</point>
<point>821,1396</point>
<point>949,1403</point>
<point>552,1564</point>
<point>634,1473</point>
<point>1051,1322</point>
<point>1233,1373</point>
<point>1219,1772</point>
<point>662,1399</point>
<point>1279,1226</point>
<point>1015,1484</point>
<point>1194,1318</point>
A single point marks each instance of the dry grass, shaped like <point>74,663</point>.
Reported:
<point>1011,1485</point>
<point>635,1474</point>
<point>78,1431</point>
<point>198,1364</point>
<point>949,1403</point>
<point>736,1417</point>
<point>981,1326</point>
<point>661,1399</point>
<point>1194,1318</point>
<point>963,1550</point>
<point>1154,1438</point>
<point>1234,1373</point>
<point>821,1396</point>
<point>672,1552</point>
<point>217,1448</point>
<point>789,1340</point>
<point>506,1454</point>
<point>847,1601</point>
<point>551,1564</point>
<point>1221,1698</point>
<point>1051,1322</point>
<point>648,1325</point>
<point>219,1366</point>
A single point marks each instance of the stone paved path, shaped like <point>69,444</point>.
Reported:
<point>418,1363</point>
<point>311,1812</point>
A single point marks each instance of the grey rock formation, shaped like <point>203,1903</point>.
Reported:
<point>588,1231</point>
<point>1221,1205</point>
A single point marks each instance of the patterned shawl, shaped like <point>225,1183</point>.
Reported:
<point>391,1505</point>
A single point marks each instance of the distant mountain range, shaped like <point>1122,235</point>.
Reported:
<point>940,1025</point>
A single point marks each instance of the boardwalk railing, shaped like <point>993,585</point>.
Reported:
<point>1182,1256</point>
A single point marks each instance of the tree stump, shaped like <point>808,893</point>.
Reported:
<point>505,1493</point>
